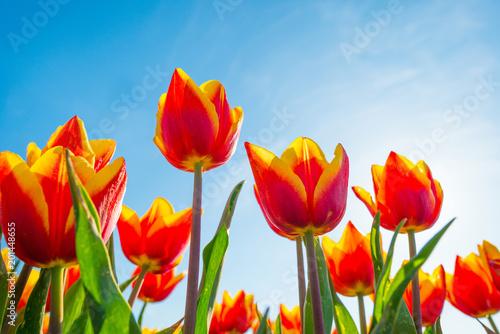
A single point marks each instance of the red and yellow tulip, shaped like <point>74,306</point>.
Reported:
<point>36,198</point>
<point>290,320</point>
<point>196,124</point>
<point>156,288</point>
<point>157,239</point>
<point>235,315</point>
<point>491,257</point>
<point>432,295</point>
<point>301,191</point>
<point>350,262</point>
<point>470,289</point>
<point>403,190</point>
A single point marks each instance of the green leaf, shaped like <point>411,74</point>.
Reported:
<point>213,257</point>
<point>278,325</point>
<point>141,315</point>
<point>263,326</point>
<point>74,301</point>
<point>35,308</point>
<point>429,330</point>
<point>126,284</point>
<point>343,320</point>
<point>172,328</point>
<point>324,284</point>
<point>308,324</point>
<point>404,322</point>
<point>376,248</point>
<point>108,311</point>
<point>395,292</point>
<point>213,261</point>
<point>383,283</point>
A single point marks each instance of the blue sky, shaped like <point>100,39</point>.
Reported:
<point>421,78</point>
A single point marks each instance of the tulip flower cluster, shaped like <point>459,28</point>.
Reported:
<point>60,207</point>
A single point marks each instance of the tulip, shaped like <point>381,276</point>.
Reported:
<point>290,320</point>
<point>156,288</point>
<point>470,289</point>
<point>432,295</point>
<point>235,315</point>
<point>40,187</point>
<point>301,191</point>
<point>196,124</point>
<point>491,257</point>
<point>349,262</point>
<point>196,131</point>
<point>156,241</point>
<point>403,190</point>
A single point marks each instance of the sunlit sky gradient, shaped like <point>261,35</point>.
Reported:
<point>283,63</point>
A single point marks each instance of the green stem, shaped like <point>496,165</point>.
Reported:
<point>56,301</point>
<point>139,321</point>
<point>362,314</point>
<point>415,286</point>
<point>301,277</point>
<point>194,253</point>
<point>19,288</point>
<point>492,323</point>
<point>137,286</point>
<point>312,269</point>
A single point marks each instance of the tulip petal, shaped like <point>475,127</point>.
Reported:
<point>281,191</point>
<point>23,204</point>
<point>226,144</point>
<point>103,150</point>
<point>366,198</point>
<point>33,153</point>
<point>276,229</point>
<point>187,123</point>
<point>106,189</point>
<point>330,195</point>
<point>73,136</point>
<point>160,207</point>
<point>129,228</point>
<point>377,177</point>
<point>168,239</point>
